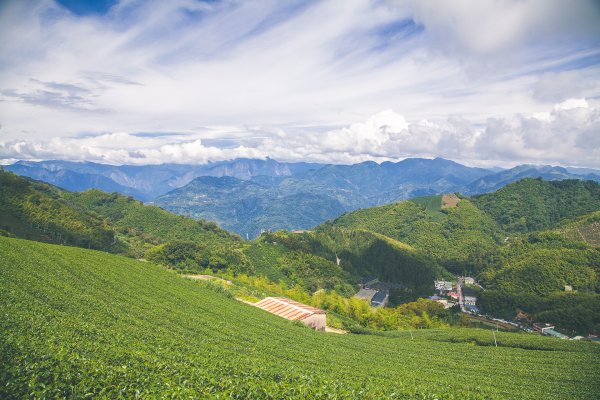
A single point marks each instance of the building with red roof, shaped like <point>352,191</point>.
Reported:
<point>294,311</point>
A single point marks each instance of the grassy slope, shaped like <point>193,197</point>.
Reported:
<point>81,323</point>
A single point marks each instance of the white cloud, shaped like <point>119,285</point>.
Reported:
<point>569,104</point>
<point>567,135</point>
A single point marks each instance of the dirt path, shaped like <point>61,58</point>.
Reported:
<point>207,278</point>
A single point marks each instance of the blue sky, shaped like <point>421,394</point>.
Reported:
<point>484,83</point>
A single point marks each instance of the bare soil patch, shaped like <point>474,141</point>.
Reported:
<point>450,200</point>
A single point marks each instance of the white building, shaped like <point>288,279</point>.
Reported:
<point>443,286</point>
<point>470,300</point>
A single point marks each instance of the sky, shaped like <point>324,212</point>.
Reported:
<point>487,83</point>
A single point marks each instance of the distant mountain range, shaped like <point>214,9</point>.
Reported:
<point>493,182</point>
<point>250,195</point>
<point>146,182</point>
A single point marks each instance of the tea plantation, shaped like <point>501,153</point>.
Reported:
<point>80,324</point>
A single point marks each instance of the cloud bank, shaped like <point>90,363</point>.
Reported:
<point>568,134</point>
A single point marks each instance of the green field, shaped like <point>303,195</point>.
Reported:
<point>79,324</point>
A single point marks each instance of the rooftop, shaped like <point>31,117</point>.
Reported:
<point>288,309</point>
<point>379,296</point>
<point>366,294</point>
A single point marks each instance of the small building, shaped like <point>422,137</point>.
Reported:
<point>470,300</point>
<point>367,281</point>
<point>365,294</point>
<point>380,299</point>
<point>443,286</point>
<point>294,311</point>
<point>541,327</point>
<point>552,332</point>
<point>452,295</point>
<point>469,280</point>
<point>568,288</point>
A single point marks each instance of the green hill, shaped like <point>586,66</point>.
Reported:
<point>534,205</point>
<point>78,323</point>
<point>460,238</point>
<point>151,224</point>
<point>524,266</point>
<point>94,219</point>
<point>36,210</point>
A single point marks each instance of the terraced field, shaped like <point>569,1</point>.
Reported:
<point>78,323</point>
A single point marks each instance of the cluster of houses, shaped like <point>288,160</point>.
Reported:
<point>374,291</point>
<point>446,294</point>
<point>449,294</point>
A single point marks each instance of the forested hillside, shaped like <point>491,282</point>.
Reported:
<point>460,238</point>
<point>79,323</point>
<point>535,204</point>
<point>362,252</point>
<point>36,210</point>
<point>94,219</point>
<point>527,244</point>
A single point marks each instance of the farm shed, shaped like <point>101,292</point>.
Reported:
<point>380,299</point>
<point>294,311</point>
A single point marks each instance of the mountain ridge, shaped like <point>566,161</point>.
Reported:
<point>269,195</point>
